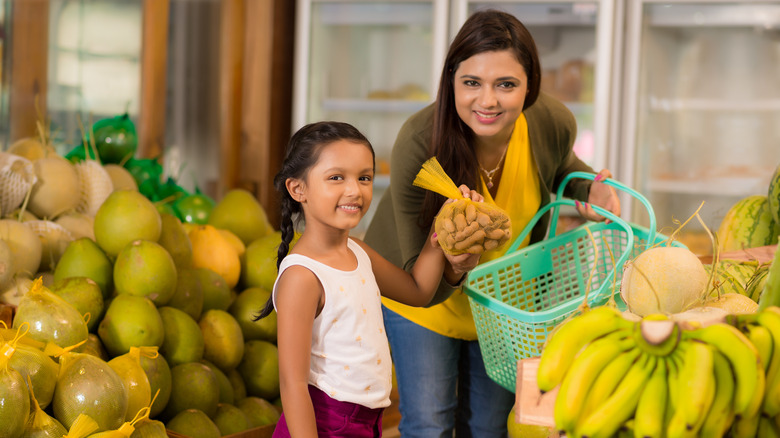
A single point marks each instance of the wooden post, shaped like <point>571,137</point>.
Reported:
<point>154,60</point>
<point>29,52</point>
<point>230,92</point>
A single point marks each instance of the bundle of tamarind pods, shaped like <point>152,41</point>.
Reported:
<point>465,226</point>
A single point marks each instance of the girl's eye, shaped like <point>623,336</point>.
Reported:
<point>366,178</point>
<point>336,178</point>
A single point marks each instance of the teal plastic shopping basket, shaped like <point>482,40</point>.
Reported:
<point>517,299</point>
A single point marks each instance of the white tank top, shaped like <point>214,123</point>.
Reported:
<point>350,355</point>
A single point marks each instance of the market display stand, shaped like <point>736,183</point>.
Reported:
<point>534,408</point>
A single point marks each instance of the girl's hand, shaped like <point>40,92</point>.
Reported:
<point>467,193</point>
<point>601,195</point>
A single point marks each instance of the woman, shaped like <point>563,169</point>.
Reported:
<point>489,128</point>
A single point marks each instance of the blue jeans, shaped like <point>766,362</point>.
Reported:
<point>442,384</point>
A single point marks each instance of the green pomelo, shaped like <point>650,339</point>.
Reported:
<point>145,269</point>
<point>79,224</point>
<point>24,244</point>
<point>259,411</point>
<point>241,213</point>
<point>139,391</point>
<point>237,383</point>
<point>175,240</point>
<point>183,338</point>
<point>194,424</point>
<point>261,257</point>
<point>229,419</point>
<point>94,346</point>
<point>130,321</point>
<point>147,428</point>
<point>260,369</point>
<point>225,387</point>
<point>84,258</point>
<point>121,178</point>
<point>83,294</point>
<point>159,374</point>
<point>14,403</point>
<point>222,338</point>
<point>6,265</point>
<point>748,224</point>
<point>188,296</point>
<point>126,216</point>
<point>50,318</point>
<point>88,385</point>
<point>519,430</point>
<point>216,292</point>
<point>246,306</point>
<point>41,370</point>
<point>193,386</point>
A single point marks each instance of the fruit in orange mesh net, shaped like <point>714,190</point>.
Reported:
<point>260,369</point>
<point>183,340</point>
<point>211,250</point>
<point>194,423</point>
<point>84,258</point>
<point>126,216</point>
<point>49,317</point>
<point>244,308</point>
<point>193,386</point>
<point>241,213</point>
<point>130,321</point>
<point>223,339</point>
<point>145,269</point>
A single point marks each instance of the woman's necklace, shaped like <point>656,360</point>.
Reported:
<point>491,173</point>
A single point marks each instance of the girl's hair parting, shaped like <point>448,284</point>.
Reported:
<point>302,153</point>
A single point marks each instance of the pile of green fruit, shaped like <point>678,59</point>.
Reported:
<point>131,315</point>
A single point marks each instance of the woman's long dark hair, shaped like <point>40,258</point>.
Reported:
<point>303,151</point>
<point>452,140</point>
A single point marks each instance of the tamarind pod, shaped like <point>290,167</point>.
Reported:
<point>483,219</point>
<point>471,213</point>
<point>496,234</point>
<point>490,244</point>
<point>466,232</point>
<point>459,220</point>
<point>448,225</point>
<point>449,241</point>
<point>476,249</point>
<point>475,238</point>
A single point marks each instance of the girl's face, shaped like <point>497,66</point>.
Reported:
<point>339,187</point>
<point>490,89</point>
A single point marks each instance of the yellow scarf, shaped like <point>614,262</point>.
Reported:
<point>519,195</point>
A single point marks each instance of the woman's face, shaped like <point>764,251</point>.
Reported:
<point>490,89</point>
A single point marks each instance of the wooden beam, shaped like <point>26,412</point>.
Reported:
<point>29,50</point>
<point>267,110</point>
<point>154,61</point>
<point>230,92</point>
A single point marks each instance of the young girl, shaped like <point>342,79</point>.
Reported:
<point>334,359</point>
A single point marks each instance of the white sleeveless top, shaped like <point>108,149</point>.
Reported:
<point>350,355</point>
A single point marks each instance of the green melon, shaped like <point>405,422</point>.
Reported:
<point>748,224</point>
<point>773,194</point>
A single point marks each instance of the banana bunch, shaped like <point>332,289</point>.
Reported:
<point>660,378</point>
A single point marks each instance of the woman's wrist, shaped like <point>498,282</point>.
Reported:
<point>459,282</point>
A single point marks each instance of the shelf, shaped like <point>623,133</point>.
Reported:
<point>727,186</point>
<point>380,13</point>
<point>374,105</point>
<point>731,105</point>
<point>765,16</point>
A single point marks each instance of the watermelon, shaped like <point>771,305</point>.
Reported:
<point>774,195</point>
<point>732,276</point>
<point>748,224</point>
<point>770,296</point>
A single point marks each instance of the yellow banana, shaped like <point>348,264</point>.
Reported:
<point>657,335</point>
<point>742,356</point>
<point>675,362</point>
<point>745,427</point>
<point>621,405</point>
<point>650,415</point>
<point>771,405</point>
<point>697,383</point>
<point>767,428</point>
<point>608,379</point>
<point>721,413</point>
<point>583,372</point>
<point>568,340</point>
<point>762,340</point>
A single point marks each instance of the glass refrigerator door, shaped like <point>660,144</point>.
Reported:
<point>702,107</point>
<point>369,63</point>
<point>575,43</point>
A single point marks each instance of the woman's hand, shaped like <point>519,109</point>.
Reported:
<point>601,195</point>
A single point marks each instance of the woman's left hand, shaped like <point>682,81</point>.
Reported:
<point>601,195</point>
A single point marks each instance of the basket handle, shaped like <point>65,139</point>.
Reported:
<point>557,204</point>
<point>610,182</point>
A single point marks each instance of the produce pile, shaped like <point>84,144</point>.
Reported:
<point>128,313</point>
